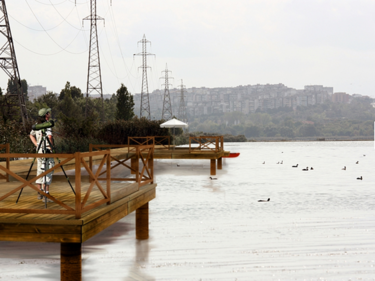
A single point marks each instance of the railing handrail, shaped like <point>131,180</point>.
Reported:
<point>79,206</point>
<point>135,152</point>
<point>204,143</point>
<point>138,140</point>
<point>159,139</point>
<point>143,153</point>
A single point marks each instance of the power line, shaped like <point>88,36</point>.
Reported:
<point>41,29</point>
<point>118,43</point>
<point>64,17</point>
<point>64,49</point>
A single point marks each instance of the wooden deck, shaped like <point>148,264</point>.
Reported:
<point>60,228</point>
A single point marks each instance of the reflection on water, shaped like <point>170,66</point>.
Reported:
<point>318,224</point>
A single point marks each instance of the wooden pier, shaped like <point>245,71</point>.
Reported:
<point>200,148</point>
<point>99,199</point>
<point>71,219</point>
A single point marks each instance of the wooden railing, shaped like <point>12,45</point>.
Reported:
<point>141,141</point>
<point>7,160</point>
<point>207,143</point>
<point>161,140</point>
<point>134,153</point>
<point>79,207</point>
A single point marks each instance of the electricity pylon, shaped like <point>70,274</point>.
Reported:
<point>145,98</point>
<point>8,63</point>
<point>167,104</point>
<point>182,109</point>
<point>94,75</point>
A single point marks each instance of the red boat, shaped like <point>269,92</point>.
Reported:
<point>232,155</point>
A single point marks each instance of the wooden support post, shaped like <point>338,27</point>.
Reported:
<point>220,163</point>
<point>71,262</point>
<point>133,164</point>
<point>213,167</point>
<point>141,222</point>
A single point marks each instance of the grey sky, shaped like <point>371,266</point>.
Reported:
<point>212,43</point>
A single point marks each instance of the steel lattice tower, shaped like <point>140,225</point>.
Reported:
<point>145,98</point>
<point>167,104</point>
<point>8,63</point>
<point>94,76</point>
<point>182,108</point>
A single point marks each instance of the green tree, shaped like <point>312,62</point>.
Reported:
<point>72,90</point>
<point>12,88</point>
<point>252,131</point>
<point>125,104</point>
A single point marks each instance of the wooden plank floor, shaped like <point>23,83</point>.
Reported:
<point>61,191</point>
<point>67,229</point>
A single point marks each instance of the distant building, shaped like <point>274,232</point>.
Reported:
<point>34,92</point>
<point>245,99</point>
<point>340,97</point>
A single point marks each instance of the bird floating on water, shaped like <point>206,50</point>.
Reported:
<point>306,169</point>
<point>357,162</point>
<point>278,163</point>
<point>360,178</point>
<point>264,162</point>
<point>311,168</point>
<point>281,162</point>
<point>178,165</point>
<point>264,200</point>
<point>295,166</point>
<point>213,178</point>
<point>344,168</point>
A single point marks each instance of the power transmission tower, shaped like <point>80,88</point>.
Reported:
<point>94,76</point>
<point>8,62</point>
<point>182,108</point>
<point>167,104</point>
<point>145,98</point>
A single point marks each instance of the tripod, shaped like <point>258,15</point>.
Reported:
<point>45,150</point>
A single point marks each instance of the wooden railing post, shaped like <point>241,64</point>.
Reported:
<point>78,184</point>
<point>136,166</point>
<point>90,163</point>
<point>109,176</point>
<point>151,164</point>
<point>7,150</point>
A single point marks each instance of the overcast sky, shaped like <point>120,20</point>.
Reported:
<point>210,43</point>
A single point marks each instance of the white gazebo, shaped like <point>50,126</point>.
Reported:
<point>174,123</point>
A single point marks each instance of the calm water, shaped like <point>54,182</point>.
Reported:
<point>319,225</point>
